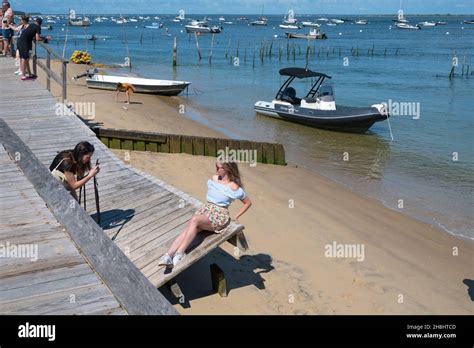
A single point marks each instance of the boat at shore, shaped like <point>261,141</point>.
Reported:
<point>318,108</point>
<point>469,21</point>
<point>361,22</point>
<point>314,34</point>
<point>142,85</point>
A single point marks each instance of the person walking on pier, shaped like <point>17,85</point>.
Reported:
<point>73,167</point>
<point>224,187</point>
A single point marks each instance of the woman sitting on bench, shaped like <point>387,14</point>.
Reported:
<point>224,187</point>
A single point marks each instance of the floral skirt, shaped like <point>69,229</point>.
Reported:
<point>218,216</point>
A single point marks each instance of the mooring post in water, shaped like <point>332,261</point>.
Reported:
<point>212,46</point>
<point>254,54</point>
<point>141,38</point>
<point>453,65</point>
<point>228,48</point>
<point>197,45</point>
<point>175,51</point>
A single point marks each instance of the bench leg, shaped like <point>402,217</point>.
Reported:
<point>218,280</point>
<point>175,289</point>
<point>239,241</point>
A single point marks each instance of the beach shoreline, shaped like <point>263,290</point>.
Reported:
<point>281,275</point>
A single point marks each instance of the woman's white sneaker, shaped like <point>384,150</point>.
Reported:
<point>177,258</point>
<point>166,260</point>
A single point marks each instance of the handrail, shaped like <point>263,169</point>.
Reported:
<point>50,74</point>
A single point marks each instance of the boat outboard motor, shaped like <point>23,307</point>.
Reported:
<point>89,73</point>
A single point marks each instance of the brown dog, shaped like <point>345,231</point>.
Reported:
<point>124,87</point>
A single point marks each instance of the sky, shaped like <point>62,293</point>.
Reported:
<point>246,6</point>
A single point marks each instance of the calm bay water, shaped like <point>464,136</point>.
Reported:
<point>407,66</point>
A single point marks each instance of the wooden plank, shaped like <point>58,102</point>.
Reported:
<point>175,143</point>
<point>210,145</point>
<point>187,144</point>
<point>198,146</point>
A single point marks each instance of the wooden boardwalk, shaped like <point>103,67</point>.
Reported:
<point>145,213</point>
<point>60,280</point>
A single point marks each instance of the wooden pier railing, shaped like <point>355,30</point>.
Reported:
<point>50,74</point>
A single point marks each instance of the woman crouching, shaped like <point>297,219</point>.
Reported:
<point>73,167</point>
<point>224,187</point>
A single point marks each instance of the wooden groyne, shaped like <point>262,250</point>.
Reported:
<point>194,145</point>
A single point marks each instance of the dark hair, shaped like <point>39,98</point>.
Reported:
<point>119,85</point>
<point>39,20</point>
<point>83,148</point>
<point>232,170</point>
<point>64,161</point>
<point>25,18</point>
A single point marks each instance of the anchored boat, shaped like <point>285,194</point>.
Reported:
<point>314,34</point>
<point>318,108</point>
<point>142,85</point>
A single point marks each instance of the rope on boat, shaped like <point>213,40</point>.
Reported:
<point>390,127</point>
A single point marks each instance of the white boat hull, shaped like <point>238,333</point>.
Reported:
<point>142,85</point>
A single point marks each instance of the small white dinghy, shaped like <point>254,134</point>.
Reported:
<point>142,85</point>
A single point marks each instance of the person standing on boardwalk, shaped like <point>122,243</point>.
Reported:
<point>19,29</point>
<point>73,167</point>
<point>224,187</point>
<point>7,32</point>
<point>25,45</point>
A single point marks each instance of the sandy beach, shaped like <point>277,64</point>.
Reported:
<point>407,267</point>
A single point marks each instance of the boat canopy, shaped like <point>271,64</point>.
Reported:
<point>301,73</point>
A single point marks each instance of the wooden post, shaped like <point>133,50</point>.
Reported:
<point>197,45</point>
<point>48,76</point>
<point>173,286</point>
<point>239,241</point>
<point>218,280</point>
<point>64,73</point>
<point>175,51</point>
<point>35,60</point>
<point>212,47</point>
